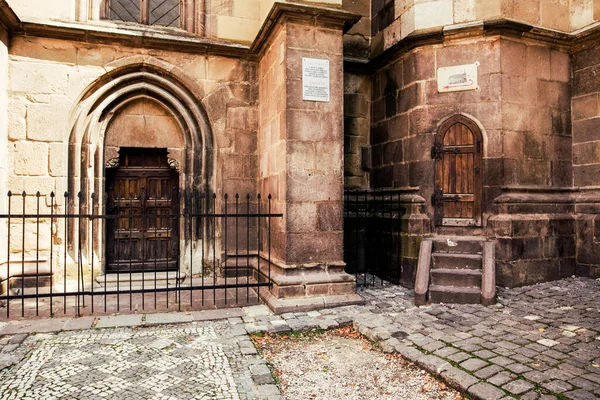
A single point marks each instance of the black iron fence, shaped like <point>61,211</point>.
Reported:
<point>76,255</point>
<point>372,235</point>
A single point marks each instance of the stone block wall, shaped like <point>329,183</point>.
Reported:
<point>314,150</point>
<point>536,122</point>
<point>272,134</point>
<point>522,107</point>
<point>357,128</point>
<point>407,109</point>
<point>4,40</point>
<point>48,78</point>
<point>412,15</point>
<point>357,41</point>
<point>534,248</point>
<point>586,156</point>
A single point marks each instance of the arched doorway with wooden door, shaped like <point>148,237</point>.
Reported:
<point>143,190</point>
<point>458,153</point>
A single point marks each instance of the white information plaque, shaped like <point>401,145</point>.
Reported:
<point>315,79</point>
<point>457,78</point>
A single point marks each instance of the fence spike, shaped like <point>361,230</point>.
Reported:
<point>38,194</point>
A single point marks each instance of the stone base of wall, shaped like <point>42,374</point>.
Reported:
<point>535,236</point>
<point>309,287</point>
<point>587,206</point>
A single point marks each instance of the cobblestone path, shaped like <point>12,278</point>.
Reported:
<point>189,361</point>
<point>538,342</point>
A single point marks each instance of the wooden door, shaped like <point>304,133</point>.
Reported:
<point>142,195</point>
<point>458,154</point>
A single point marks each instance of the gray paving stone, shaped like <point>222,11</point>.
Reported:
<point>503,361</point>
<point>501,378</point>
<point>167,318</point>
<point>433,364</point>
<point>18,338</point>
<point>74,324</point>
<point>445,351</point>
<point>489,371</point>
<point>261,374</point>
<point>29,326</point>
<point>557,386</point>
<point>256,311</point>
<point>458,357</point>
<point>518,386</point>
<point>119,321</point>
<point>459,379</point>
<point>238,330</point>
<point>580,394</point>
<point>517,368</point>
<point>485,354</point>
<point>210,315</point>
<point>473,364</point>
<point>485,391</point>
<point>531,395</point>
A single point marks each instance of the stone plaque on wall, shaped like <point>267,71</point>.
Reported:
<point>315,79</point>
<point>457,78</point>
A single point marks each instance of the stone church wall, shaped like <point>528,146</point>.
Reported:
<point>522,107</point>
<point>48,79</point>
<point>3,121</point>
<point>586,156</point>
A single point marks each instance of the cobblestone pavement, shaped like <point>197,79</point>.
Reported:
<point>538,342</point>
<point>188,361</point>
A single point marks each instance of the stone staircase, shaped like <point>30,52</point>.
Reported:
<point>456,269</point>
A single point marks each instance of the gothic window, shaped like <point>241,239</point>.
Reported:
<point>148,12</point>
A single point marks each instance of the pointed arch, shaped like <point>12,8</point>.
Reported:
<point>129,80</point>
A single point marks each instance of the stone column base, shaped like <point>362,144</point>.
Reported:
<point>309,287</point>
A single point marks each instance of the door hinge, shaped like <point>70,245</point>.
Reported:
<point>436,151</point>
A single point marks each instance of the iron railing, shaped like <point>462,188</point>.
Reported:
<point>58,251</point>
<point>372,235</point>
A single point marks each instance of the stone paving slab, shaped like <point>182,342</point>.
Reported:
<point>116,321</point>
<point>167,318</point>
<point>38,326</point>
<point>75,324</point>
<point>208,315</point>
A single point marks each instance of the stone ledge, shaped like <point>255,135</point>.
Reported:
<point>297,304</point>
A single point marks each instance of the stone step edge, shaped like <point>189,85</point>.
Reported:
<point>455,289</point>
<point>476,256</point>
<point>456,271</point>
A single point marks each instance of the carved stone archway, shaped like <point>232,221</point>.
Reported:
<point>93,148</point>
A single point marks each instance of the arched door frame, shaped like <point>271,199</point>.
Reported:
<point>131,79</point>
<point>441,154</point>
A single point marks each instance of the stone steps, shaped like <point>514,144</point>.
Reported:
<point>456,277</point>
<point>456,261</point>
<point>456,269</point>
<point>453,294</point>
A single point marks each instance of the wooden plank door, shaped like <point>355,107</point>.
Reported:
<point>457,153</point>
<point>142,195</point>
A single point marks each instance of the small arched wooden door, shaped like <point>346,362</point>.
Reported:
<point>458,153</point>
